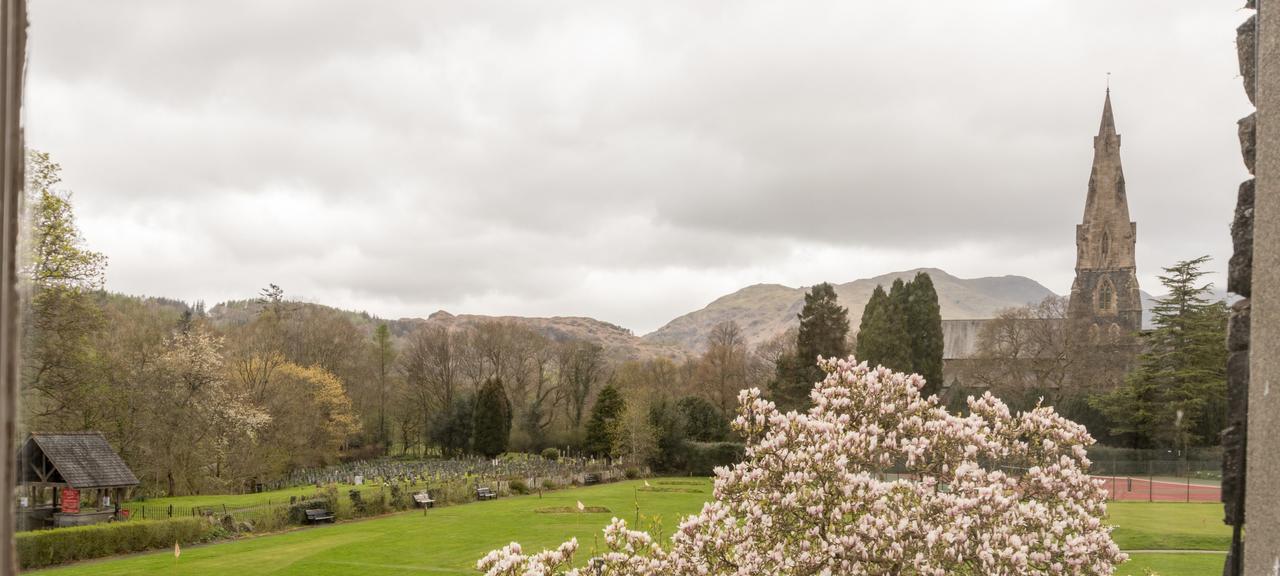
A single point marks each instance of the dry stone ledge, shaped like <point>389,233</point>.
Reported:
<point>1240,266</point>
<point>1248,131</point>
<point>1246,52</point>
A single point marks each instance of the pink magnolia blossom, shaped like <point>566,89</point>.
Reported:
<point>990,493</point>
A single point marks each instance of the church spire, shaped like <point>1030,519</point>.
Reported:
<point>1105,292</point>
<point>1108,125</point>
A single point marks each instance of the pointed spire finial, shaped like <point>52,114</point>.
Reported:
<point>1108,125</point>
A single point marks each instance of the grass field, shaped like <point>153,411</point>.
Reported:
<point>1173,564</point>
<point>1168,526</point>
<point>443,541</point>
<point>449,540</point>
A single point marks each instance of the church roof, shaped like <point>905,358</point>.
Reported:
<point>80,460</point>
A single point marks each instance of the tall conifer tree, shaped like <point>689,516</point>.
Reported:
<point>882,335</point>
<point>824,331</point>
<point>606,415</point>
<point>492,419</point>
<point>1177,395</point>
<point>924,325</point>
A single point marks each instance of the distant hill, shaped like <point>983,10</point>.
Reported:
<point>765,310</point>
<point>619,343</point>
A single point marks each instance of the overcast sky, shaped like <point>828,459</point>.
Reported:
<point>629,162</point>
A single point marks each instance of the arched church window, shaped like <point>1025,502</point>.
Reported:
<point>1113,333</point>
<point>1106,296</point>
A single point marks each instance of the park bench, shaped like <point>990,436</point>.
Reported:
<point>318,515</point>
<point>590,479</point>
<point>423,500</point>
<point>485,493</point>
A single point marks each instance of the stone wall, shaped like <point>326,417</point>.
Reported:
<point>1251,461</point>
<point>1260,139</point>
<point>1239,281</point>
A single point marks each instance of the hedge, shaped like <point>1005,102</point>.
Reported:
<point>42,548</point>
<point>703,457</point>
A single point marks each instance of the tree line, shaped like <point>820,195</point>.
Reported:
<point>204,400</point>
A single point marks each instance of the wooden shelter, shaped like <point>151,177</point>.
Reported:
<point>58,472</point>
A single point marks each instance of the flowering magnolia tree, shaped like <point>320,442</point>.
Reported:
<point>990,493</point>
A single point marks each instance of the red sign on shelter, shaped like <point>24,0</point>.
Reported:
<point>70,501</point>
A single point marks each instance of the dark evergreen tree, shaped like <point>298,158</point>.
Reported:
<point>882,334</point>
<point>900,295</point>
<point>824,331</point>
<point>492,419</point>
<point>703,421</point>
<point>1177,395</point>
<point>924,326</point>
<point>824,325</point>
<point>452,431</point>
<point>669,426</point>
<point>602,428</point>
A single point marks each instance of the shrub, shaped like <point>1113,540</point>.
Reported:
<point>519,487</point>
<point>329,494</point>
<point>632,473</point>
<point>399,499</point>
<point>703,421</point>
<point>702,458</point>
<point>60,545</point>
<point>551,454</point>
<point>357,503</point>
<point>374,503</point>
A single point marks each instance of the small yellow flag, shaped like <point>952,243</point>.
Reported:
<point>177,550</point>
<point>580,506</point>
<point>646,483</point>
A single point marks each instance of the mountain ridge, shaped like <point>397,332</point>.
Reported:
<point>763,311</point>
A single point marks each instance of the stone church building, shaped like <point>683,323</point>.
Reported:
<point>1104,312</point>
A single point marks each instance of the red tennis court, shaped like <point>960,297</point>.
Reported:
<point>1158,490</point>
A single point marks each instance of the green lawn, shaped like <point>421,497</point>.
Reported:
<point>449,540</point>
<point>1168,526</point>
<point>443,541</point>
<point>1173,564</point>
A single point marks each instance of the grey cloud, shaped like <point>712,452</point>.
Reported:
<point>406,154</point>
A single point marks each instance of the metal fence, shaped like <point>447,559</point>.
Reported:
<point>1134,480</point>
<point>143,511</point>
<point>1161,481</point>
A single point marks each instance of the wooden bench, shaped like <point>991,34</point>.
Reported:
<point>485,493</point>
<point>318,515</point>
<point>423,500</point>
<point>590,479</point>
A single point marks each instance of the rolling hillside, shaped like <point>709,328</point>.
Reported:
<point>765,310</point>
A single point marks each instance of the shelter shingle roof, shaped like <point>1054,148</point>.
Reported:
<point>82,459</point>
